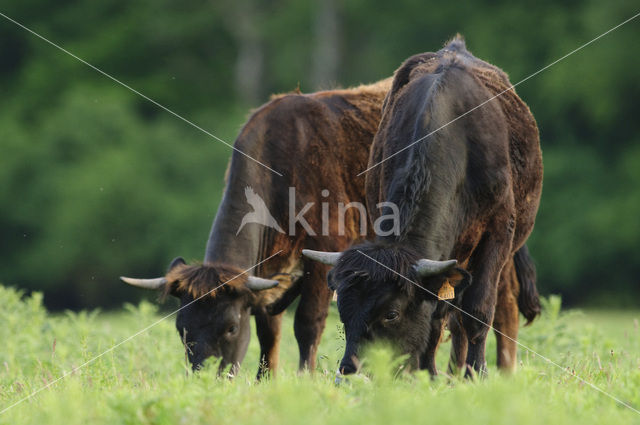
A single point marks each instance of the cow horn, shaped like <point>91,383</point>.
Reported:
<point>156,283</point>
<point>426,268</point>
<point>258,284</point>
<point>330,258</point>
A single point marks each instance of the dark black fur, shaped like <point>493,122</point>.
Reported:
<point>368,292</point>
<point>469,190</point>
<point>528,298</point>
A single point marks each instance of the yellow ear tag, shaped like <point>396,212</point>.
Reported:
<point>446,291</point>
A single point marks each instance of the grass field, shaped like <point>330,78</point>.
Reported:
<point>145,380</point>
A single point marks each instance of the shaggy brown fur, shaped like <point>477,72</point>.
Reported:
<point>316,141</point>
<point>196,279</point>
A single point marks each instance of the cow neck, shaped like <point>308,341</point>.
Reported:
<point>421,186</point>
<point>248,247</point>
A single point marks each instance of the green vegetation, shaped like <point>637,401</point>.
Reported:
<point>145,380</point>
<point>96,182</point>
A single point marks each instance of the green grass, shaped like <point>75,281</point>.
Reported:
<point>145,380</point>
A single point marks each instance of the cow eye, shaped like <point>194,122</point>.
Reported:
<point>232,329</point>
<point>391,316</point>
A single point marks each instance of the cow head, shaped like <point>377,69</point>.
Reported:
<point>375,301</point>
<point>215,308</point>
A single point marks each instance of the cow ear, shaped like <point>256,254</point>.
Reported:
<point>448,285</point>
<point>460,279</point>
<point>178,261</point>
<point>331,282</point>
<point>172,287</point>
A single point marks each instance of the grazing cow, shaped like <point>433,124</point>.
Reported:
<point>219,324</point>
<point>315,141</point>
<point>466,194</point>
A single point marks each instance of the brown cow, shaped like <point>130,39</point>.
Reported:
<point>315,141</point>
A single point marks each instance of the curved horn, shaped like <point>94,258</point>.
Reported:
<point>156,283</point>
<point>426,268</point>
<point>258,284</point>
<point>330,258</point>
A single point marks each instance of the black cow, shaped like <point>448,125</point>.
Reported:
<point>466,198</point>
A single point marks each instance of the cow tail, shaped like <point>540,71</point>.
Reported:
<point>528,298</point>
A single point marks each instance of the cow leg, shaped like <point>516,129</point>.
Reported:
<point>428,358</point>
<point>505,322</point>
<point>458,343</point>
<point>311,313</point>
<point>479,299</point>
<point>269,329</point>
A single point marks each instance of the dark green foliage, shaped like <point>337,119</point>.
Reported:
<point>96,182</point>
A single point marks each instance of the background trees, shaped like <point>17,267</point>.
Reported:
<point>95,181</point>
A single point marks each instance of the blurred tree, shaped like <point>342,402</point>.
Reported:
<point>326,57</point>
<point>96,182</point>
<point>249,72</point>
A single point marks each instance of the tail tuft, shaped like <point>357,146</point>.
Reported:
<point>528,298</point>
